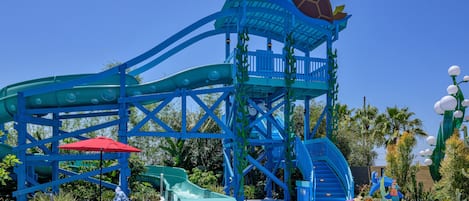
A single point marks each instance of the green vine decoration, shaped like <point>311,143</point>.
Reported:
<point>290,76</point>
<point>333,93</point>
<point>242,121</point>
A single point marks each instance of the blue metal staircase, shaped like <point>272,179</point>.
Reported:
<point>328,172</point>
<point>328,186</point>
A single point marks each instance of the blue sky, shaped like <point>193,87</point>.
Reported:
<point>396,53</point>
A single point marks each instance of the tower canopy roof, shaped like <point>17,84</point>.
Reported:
<point>276,18</point>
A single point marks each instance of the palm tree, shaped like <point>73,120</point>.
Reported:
<point>369,125</point>
<point>399,120</point>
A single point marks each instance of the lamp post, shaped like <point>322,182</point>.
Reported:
<point>452,107</point>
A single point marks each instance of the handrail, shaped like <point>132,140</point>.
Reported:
<point>265,63</point>
<point>324,149</point>
<point>305,166</point>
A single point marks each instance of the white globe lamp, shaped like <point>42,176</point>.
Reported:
<point>465,103</point>
<point>458,114</point>
<point>422,153</point>
<point>428,162</point>
<point>437,108</point>
<point>452,89</point>
<point>428,152</point>
<point>454,70</point>
<point>448,103</point>
<point>466,78</point>
<point>431,140</point>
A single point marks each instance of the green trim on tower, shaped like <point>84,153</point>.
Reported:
<point>290,76</point>
<point>242,122</point>
<point>333,92</point>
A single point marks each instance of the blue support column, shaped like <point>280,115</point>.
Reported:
<point>55,151</point>
<point>237,178</point>
<point>3,138</point>
<point>307,128</point>
<point>227,45</point>
<point>269,44</point>
<point>304,190</point>
<point>286,170</point>
<point>227,179</point>
<point>227,151</point>
<point>122,133</point>
<point>270,159</point>
<point>183,112</point>
<point>21,127</point>
<point>307,64</point>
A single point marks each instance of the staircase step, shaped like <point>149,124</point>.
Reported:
<point>328,187</point>
<point>330,191</point>
<point>329,195</point>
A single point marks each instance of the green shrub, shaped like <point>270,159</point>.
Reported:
<point>62,196</point>
<point>249,192</point>
<point>203,178</point>
<point>453,184</point>
<point>216,188</point>
<point>144,191</point>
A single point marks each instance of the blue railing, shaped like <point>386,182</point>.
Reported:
<point>305,165</point>
<point>266,64</point>
<point>324,149</point>
<point>303,160</point>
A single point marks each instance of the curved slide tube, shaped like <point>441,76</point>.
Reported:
<point>177,185</point>
<point>106,91</point>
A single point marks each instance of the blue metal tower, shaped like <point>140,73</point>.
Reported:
<point>250,85</point>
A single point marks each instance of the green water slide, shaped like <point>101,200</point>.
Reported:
<point>177,186</point>
<point>5,150</point>
<point>106,91</point>
<point>43,172</point>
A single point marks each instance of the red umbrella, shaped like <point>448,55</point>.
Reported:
<point>101,144</point>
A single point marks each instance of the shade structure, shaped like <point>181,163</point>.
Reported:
<point>101,144</point>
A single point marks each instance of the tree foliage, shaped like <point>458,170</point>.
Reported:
<point>399,161</point>
<point>453,182</point>
<point>400,120</point>
<point>363,126</point>
<point>315,110</point>
<point>5,167</point>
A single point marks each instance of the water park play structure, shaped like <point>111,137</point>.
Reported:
<point>253,87</point>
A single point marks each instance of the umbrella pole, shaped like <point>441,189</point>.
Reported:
<point>100,173</point>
